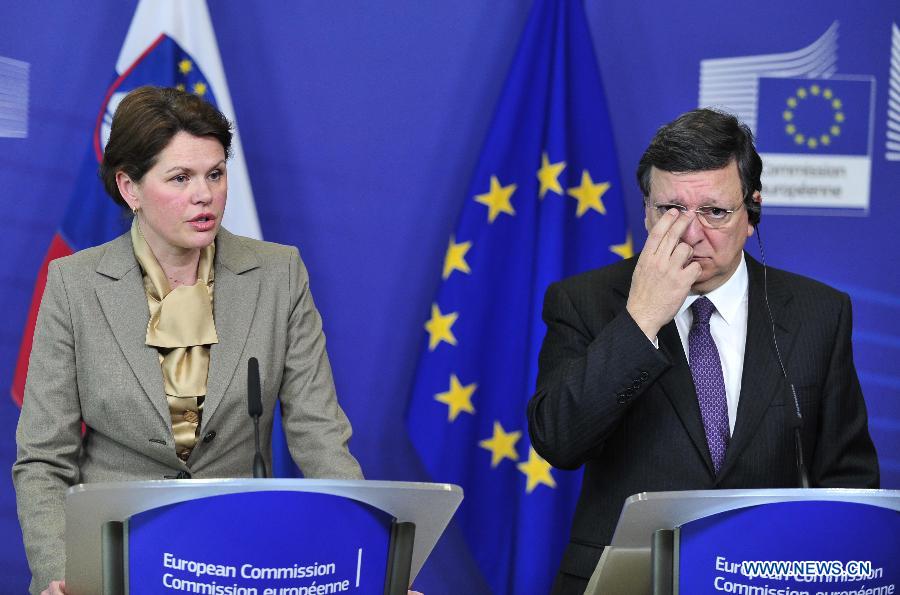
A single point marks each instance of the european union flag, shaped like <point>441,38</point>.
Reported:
<point>544,202</point>
<point>814,116</point>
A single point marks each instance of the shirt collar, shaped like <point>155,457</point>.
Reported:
<point>728,297</point>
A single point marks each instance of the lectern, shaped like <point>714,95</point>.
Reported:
<point>243,536</point>
<point>759,542</point>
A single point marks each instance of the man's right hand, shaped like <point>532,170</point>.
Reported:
<point>663,275</point>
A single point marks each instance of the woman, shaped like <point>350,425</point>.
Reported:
<point>145,340</point>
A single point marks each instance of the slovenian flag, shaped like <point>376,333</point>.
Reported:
<point>169,43</point>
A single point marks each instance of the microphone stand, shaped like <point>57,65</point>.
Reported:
<point>254,408</point>
<point>798,443</point>
<point>802,474</point>
<point>259,465</point>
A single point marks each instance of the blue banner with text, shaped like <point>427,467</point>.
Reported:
<point>259,543</point>
<point>792,548</point>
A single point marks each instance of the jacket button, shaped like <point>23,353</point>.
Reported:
<point>209,436</point>
<point>644,375</point>
<point>629,392</point>
<point>636,384</point>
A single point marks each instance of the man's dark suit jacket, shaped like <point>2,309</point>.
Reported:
<point>608,400</point>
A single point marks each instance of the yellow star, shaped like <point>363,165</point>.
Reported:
<point>549,176</point>
<point>200,88</point>
<point>497,199</point>
<point>455,259</point>
<point>180,86</point>
<point>185,66</point>
<point>537,470</point>
<point>625,250</point>
<point>589,194</point>
<point>502,445</point>
<point>458,398</point>
<point>440,327</point>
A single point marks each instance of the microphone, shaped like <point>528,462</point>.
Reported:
<point>255,409</point>
<point>802,474</point>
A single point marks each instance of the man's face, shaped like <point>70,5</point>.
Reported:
<point>717,250</point>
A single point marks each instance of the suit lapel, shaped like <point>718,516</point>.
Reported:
<point>679,388</point>
<point>761,379</point>
<point>234,299</point>
<point>676,382</point>
<point>124,304</point>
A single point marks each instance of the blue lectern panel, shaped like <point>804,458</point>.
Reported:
<point>792,548</point>
<point>273,543</point>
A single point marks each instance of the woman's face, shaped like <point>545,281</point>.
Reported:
<point>181,199</point>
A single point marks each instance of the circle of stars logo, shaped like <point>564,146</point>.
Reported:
<point>804,99</point>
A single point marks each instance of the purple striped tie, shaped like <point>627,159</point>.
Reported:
<point>706,368</point>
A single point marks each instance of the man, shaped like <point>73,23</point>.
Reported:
<point>663,372</point>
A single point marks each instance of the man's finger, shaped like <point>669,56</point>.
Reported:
<point>682,253</point>
<point>692,271</point>
<point>659,230</point>
<point>673,234</point>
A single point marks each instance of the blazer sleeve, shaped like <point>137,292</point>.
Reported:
<point>48,436</point>
<point>316,427</point>
<point>845,456</point>
<point>586,380</point>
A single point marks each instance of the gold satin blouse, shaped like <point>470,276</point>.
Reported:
<point>181,328</point>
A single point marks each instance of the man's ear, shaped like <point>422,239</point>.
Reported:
<point>757,198</point>
<point>756,209</point>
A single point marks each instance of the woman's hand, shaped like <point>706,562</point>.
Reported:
<point>55,588</point>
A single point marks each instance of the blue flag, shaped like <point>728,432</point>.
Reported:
<point>171,44</point>
<point>544,202</point>
<point>815,116</point>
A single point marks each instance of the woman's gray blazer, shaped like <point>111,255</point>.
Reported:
<point>89,364</point>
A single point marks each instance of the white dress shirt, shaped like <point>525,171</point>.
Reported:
<point>728,326</point>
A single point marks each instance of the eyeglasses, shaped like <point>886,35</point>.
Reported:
<point>713,217</point>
